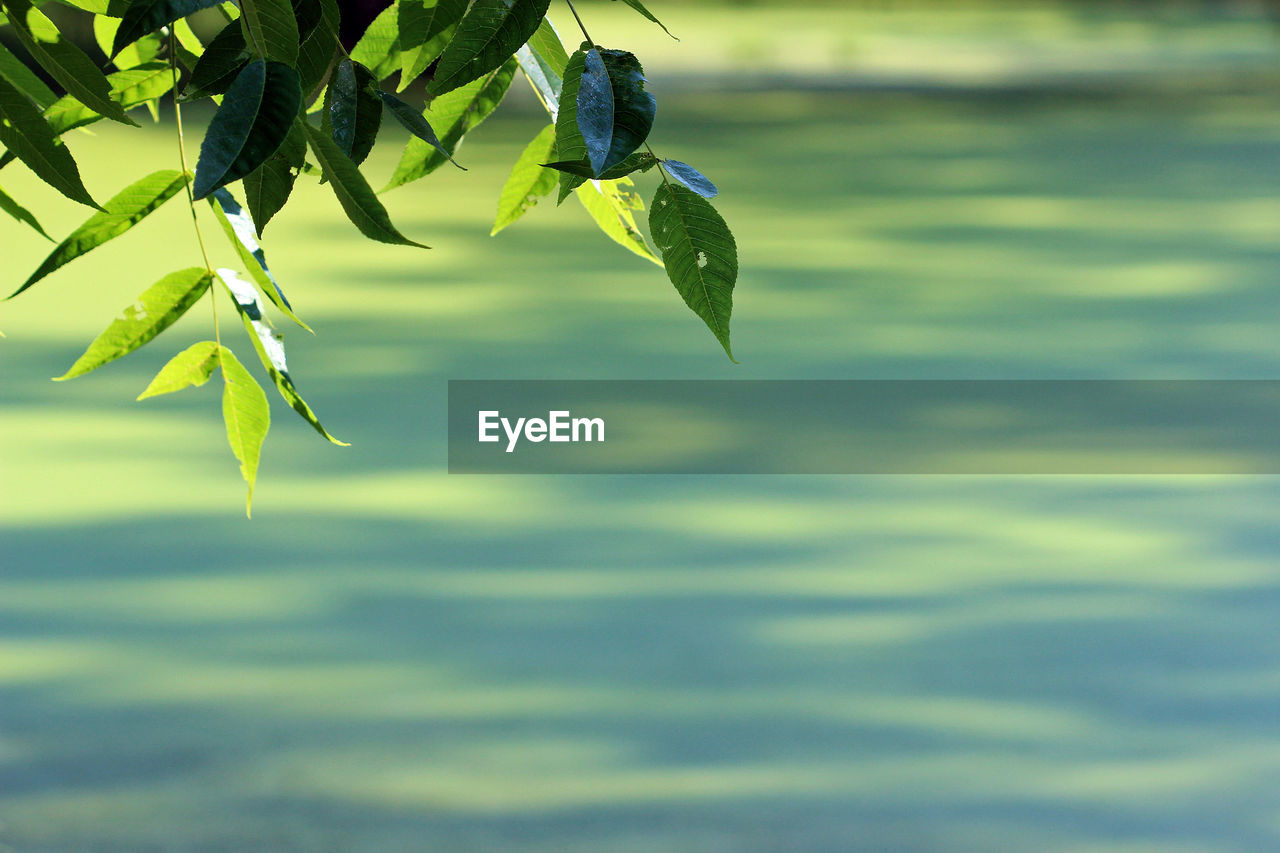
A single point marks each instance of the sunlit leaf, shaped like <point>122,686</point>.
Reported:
<point>700,254</point>
<point>452,116</point>
<point>354,194</point>
<point>145,49</point>
<point>252,123</point>
<point>66,63</point>
<point>270,347</point>
<point>126,209</point>
<point>425,28</point>
<point>239,229</point>
<point>379,47</point>
<point>529,180</point>
<point>247,417</point>
<point>25,133</point>
<point>130,88</point>
<point>24,79</point>
<point>190,368</point>
<point>158,308</point>
<point>486,38</point>
<point>613,205</point>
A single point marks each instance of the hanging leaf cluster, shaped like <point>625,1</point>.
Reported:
<point>291,101</point>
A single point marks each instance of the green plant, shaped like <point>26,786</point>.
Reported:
<point>273,64</point>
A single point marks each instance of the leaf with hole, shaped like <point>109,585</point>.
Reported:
<point>486,38</point>
<point>613,205</point>
<point>158,308</point>
<point>126,209</point>
<point>700,254</point>
<point>255,117</point>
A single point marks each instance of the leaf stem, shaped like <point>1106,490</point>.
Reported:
<point>581,25</point>
<point>191,202</point>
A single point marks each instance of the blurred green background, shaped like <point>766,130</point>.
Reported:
<point>391,659</point>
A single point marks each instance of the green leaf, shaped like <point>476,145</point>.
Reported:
<point>146,16</point>
<point>145,49</point>
<point>190,368</point>
<point>223,59</point>
<point>28,136</point>
<point>271,29</point>
<point>413,122</point>
<point>114,8</point>
<point>270,347</point>
<point>158,308</point>
<point>379,47</point>
<point>129,207</point>
<point>238,227</point>
<point>66,63</point>
<point>570,146</point>
<point>357,199</point>
<point>486,38</point>
<point>615,113</point>
<point>612,204</point>
<point>691,178</point>
<point>247,416</point>
<point>129,88</point>
<point>319,42</point>
<point>20,213</point>
<point>639,7</point>
<point>251,125</point>
<point>452,117</point>
<point>529,180</point>
<point>426,26</point>
<point>543,61</point>
<point>700,255</point>
<point>355,110</point>
<point>268,187</point>
<point>24,79</point>
<point>640,161</point>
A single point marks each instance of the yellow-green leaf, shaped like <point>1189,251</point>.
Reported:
<point>190,368</point>
<point>529,180</point>
<point>247,416</point>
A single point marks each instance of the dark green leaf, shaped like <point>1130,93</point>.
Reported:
<point>271,29</point>
<point>700,255</point>
<point>639,7</point>
<point>247,416</point>
<point>425,28</point>
<point>570,146</point>
<point>238,227</point>
<point>691,178</point>
<point>318,44</point>
<point>415,124</point>
<point>270,347</point>
<point>268,187</point>
<point>452,116</point>
<point>252,123</point>
<point>595,110</point>
<point>20,213</point>
<point>28,136</point>
<point>490,33</point>
<point>190,368</point>
<point>529,181</point>
<point>223,59</point>
<point>355,110</point>
<point>158,308</point>
<point>126,209</point>
<point>66,63</point>
<point>147,16</point>
<point>640,161</point>
<point>353,192</point>
<point>379,47</point>
<point>613,132</point>
<point>24,79</point>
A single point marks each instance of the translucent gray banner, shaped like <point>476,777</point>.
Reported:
<point>864,427</point>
